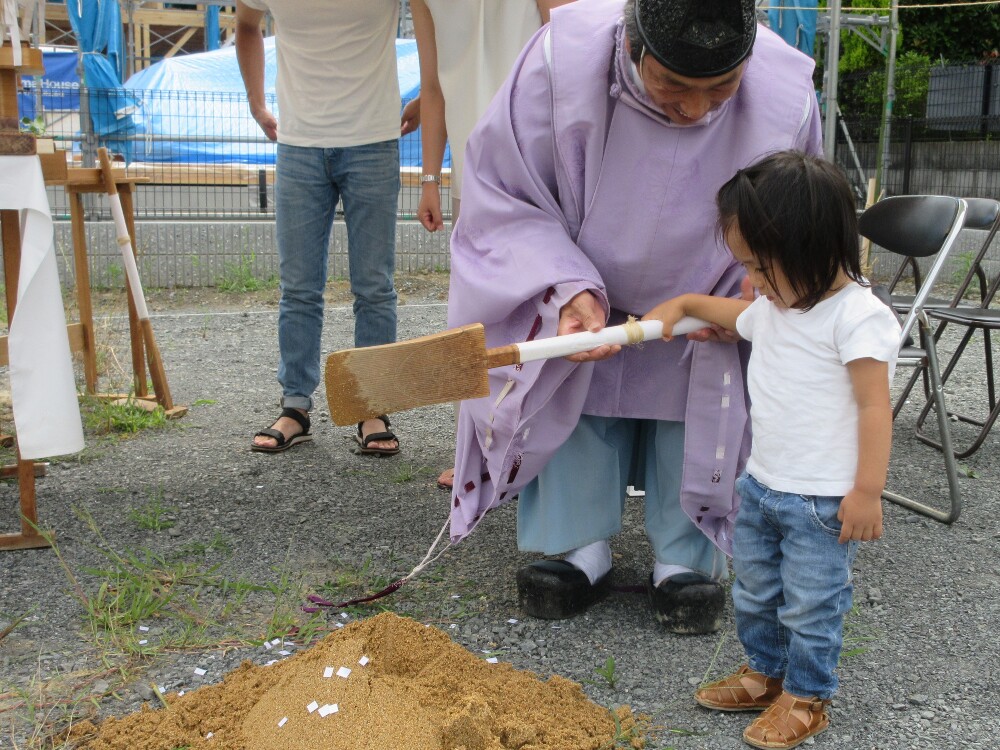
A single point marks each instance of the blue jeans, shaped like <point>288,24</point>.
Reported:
<point>309,182</point>
<point>793,586</point>
<point>579,496</point>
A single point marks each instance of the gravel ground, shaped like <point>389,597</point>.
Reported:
<point>921,666</point>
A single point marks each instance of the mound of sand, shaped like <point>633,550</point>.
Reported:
<point>385,682</point>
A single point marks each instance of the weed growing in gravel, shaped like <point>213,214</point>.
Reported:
<point>154,515</point>
<point>723,637</point>
<point>219,544</point>
<point>407,473</point>
<point>191,600</point>
<point>626,736</point>
<point>856,633</point>
<point>608,672</point>
<point>110,418</point>
<point>239,277</point>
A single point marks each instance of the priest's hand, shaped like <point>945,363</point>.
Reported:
<point>584,313</point>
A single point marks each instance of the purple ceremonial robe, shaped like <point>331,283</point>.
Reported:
<point>574,181</point>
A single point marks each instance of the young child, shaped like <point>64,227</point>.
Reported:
<point>824,349</point>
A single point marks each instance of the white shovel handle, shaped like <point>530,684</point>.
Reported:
<point>574,343</point>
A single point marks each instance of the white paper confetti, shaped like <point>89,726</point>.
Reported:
<point>344,672</point>
<point>456,596</point>
<point>161,688</point>
<point>312,707</point>
<point>180,694</point>
<point>284,720</point>
<point>344,615</point>
<point>492,660</point>
<point>276,641</point>
<point>329,708</point>
<point>267,645</point>
<point>339,624</point>
<point>328,672</point>
<point>453,626</point>
<point>209,736</point>
<point>363,660</point>
<point>285,652</point>
<point>143,642</point>
<point>512,621</point>
<point>199,671</point>
<point>144,628</point>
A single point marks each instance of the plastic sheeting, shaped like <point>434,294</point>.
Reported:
<point>193,108</point>
<point>795,22</point>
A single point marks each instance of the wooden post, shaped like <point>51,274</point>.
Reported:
<point>866,244</point>
<point>13,142</point>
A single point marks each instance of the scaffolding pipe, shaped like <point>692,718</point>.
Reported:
<point>885,140</point>
<point>830,83</point>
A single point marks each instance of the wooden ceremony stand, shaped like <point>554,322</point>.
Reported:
<point>12,142</point>
<point>76,181</point>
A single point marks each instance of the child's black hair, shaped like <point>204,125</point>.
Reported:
<point>795,212</point>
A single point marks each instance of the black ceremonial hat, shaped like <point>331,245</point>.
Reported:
<point>697,38</point>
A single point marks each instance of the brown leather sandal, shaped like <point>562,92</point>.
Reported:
<point>778,728</point>
<point>745,690</point>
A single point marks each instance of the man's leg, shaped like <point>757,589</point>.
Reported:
<point>575,502</point>
<point>368,176</point>
<point>685,589</point>
<point>305,200</point>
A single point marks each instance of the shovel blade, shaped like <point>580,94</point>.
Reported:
<point>447,366</point>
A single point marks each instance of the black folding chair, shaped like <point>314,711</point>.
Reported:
<point>982,214</point>
<point>982,318</point>
<point>921,226</point>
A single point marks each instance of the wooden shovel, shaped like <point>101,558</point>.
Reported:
<point>452,366</point>
<point>156,372</point>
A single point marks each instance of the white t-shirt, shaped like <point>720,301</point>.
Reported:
<point>337,84</point>
<point>803,412</point>
<point>477,43</point>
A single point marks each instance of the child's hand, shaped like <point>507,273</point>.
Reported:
<point>861,516</point>
<point>668,313</point>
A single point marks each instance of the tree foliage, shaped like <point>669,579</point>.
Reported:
<point>952,34</point>
<point>926,36</point>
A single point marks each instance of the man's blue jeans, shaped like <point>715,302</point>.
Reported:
<point>793,586</point>
<point>309,182</point>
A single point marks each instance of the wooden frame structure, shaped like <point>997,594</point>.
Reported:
<point>76,181</point>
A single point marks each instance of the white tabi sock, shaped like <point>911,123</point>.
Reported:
<point>662,572</point>
<point>593,559</point>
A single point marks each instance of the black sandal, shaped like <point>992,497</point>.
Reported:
<point>377,437</point>
<point>284,443</point>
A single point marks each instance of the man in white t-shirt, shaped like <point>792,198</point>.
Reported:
<point>337,129</point>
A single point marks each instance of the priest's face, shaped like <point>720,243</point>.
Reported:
<point>684,100</point>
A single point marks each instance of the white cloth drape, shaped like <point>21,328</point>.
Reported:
<point>42,387</point>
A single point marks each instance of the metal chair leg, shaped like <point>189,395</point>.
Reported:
<point>950,462</point>
<point>984,425</point>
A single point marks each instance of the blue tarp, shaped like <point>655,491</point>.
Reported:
<point>200,97</point>
<point>795,22</point>
<point>97,25</point>
<point>193,96</point>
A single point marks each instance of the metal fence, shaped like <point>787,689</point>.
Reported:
<point>206,199</point>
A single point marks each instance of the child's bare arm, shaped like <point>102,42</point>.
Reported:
<point>861,509</point>
<point>722,311</point>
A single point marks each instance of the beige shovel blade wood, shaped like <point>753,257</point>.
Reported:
<point>447,366</point>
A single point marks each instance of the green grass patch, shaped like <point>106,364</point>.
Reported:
<point>240,277</point>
